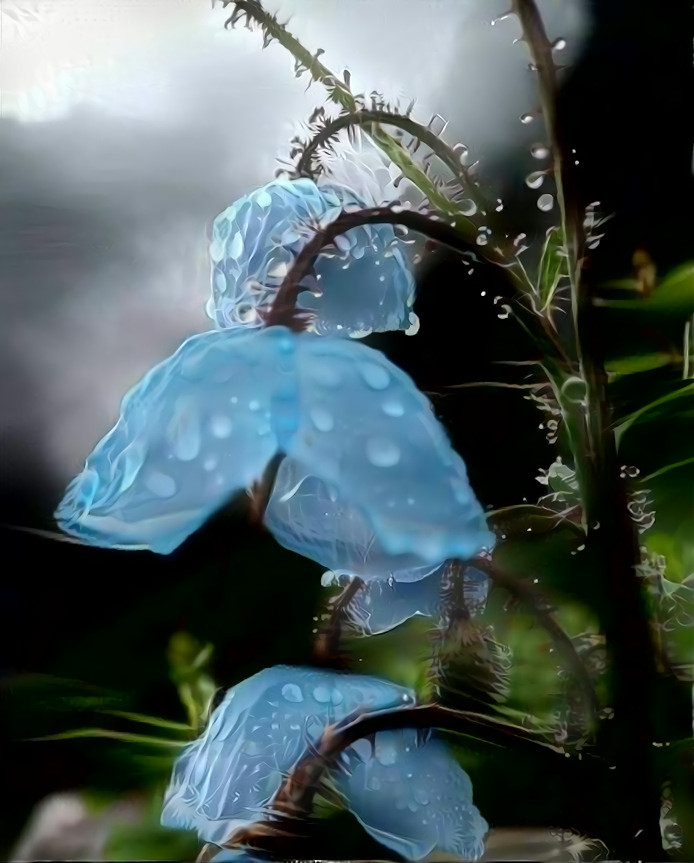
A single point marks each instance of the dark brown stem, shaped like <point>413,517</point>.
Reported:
<point>294,798</point>
<point>537,605</point>
<point>326,649</point>
<point>283,311</point>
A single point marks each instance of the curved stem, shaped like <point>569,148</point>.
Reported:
<point>365,117</point>
<point>326,650</point>
<point>523,590</point>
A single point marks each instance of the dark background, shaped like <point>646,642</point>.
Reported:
<point>104,618</point>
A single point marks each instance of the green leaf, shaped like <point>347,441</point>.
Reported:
<point>639,363</point>
<point>552,267</point>
<point>673,296</point>
<point>684,391</point>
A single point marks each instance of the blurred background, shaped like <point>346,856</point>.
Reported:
<point>125,127</point>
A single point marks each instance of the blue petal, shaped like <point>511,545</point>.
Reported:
<point>197,428</point>
<point>363,285</point>
<point>414,798</point>
<point>371,436</point>
<point>310,517</point>
<point>224,779</point>
<point>384,603</point>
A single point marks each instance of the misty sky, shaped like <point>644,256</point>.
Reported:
<point>127,125</point>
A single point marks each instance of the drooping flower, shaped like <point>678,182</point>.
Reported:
<point>381,604</point>
<point>203,425</point>
<point>410,795</point>
<point>369,286</point>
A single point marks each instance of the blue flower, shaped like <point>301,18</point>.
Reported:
<point>368,284</point>
<point>381,604</point>
<point>410,795</point>
<point>203,425</point>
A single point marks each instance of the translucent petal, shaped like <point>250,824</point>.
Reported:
<point>311,518</point>
<point>408,792</point>
<point>197,428</point>
<point>371,436</point>
<point>224,779</point>
<point>256,240</point>
<point>415,798</point>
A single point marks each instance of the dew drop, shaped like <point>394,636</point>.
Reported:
<point>382,452</point>
<point>535,180</point>
<point>545,203</point>
<point>291,692</point>
<point>467,207</point>
<point>254,405</point>
<point>322,694</point>
<point>322,419</point>
<point>539,151</point>
<point>210,463</point>
<point>526,118</point>
<point>559,44</point>
<point>336,697</point>
<point>221,426</point>
<point>482,240</point>
<point>246,313</point>
<point>375,376</point>
<point>393,407</point>
<point>161,484</point>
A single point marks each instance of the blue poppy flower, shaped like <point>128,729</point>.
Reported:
<point>369,286</point>
<point>203,425</point>
<point>381,604</point>
<point>409,794</point>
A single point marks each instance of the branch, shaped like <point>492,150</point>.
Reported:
<point>365,117</point>
<point>326,649</point>
<point>340,93</point>
<point>523,590</point>
<point>294,798</point>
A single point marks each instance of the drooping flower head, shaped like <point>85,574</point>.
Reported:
<point>410,795</point>
<point>363,282</point>
<point>204,424</point>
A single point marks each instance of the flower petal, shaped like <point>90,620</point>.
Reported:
<point>364,284</point>
<point>371,436</point>
<point>224,779</point>
<point>415,798</point>
<point>197,428</point>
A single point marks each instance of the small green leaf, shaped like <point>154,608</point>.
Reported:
<point>673,296</point>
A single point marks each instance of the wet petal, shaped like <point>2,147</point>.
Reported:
<point>310,517</point>
<point>224,779</point>
<point>372,438</point>
<point>415,798</point>
<point>363,285</point>
<point>197,428</point>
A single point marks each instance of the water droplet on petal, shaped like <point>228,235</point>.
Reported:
<point>161,484</point>
<point>291,692</point>
<point>322,694</point>
<point>221,426</point>
<point>322,418</point>
<point>393,407</point>
<point>375,376</point>
<point>545,203</point>
<point>382,452</point>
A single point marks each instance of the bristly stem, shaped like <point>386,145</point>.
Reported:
<point>611,538</point>
<point>340,93</point>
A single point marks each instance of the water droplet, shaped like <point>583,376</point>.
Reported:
<point>382,452</point>
<point>291,692</point>
<point>482,240</point>
<point>160,484</point>
<point>336,697</point>
<point>326,375</point>
<point>246,313</point>
<point>322,694</point>
<point>559,44</point>
<point>254,405</point>
<point>210,463</point>
<point>539,151</point>
<point>375,783</point>
<point>545,203</point>
<point>375,376</point>
<point>386,753</point>
<point>527,118</point>
<point>467,207</point>
<point>534,181</point>
<point>322,418</point>
<point>499,205</point>
<point>391,582</point>
<point>393,407</point>
<point>221,426</point>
